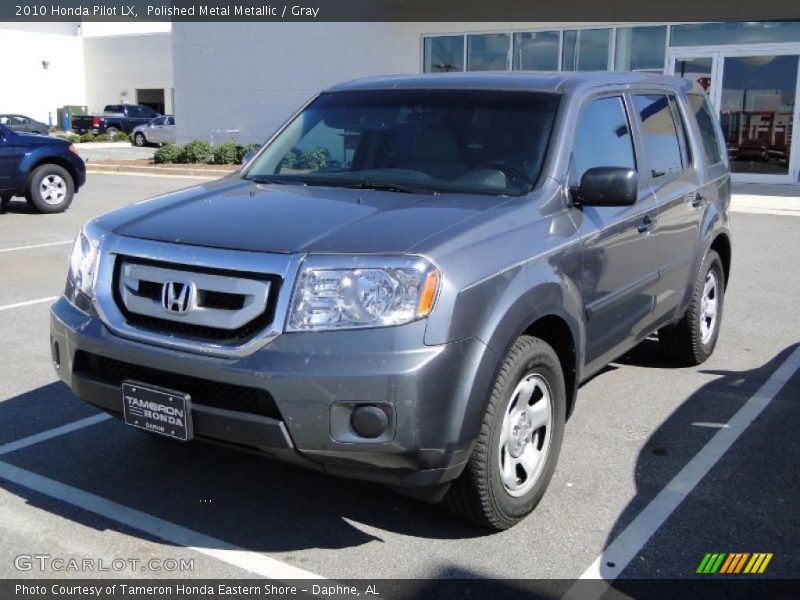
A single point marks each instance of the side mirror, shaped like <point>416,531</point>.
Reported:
<point>607,186</point>
<point>246,158</point>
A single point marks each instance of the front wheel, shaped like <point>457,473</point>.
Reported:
<point>50,189</point>
<point>139,139</point>
<point>111,131</point>
<point>520,439</point>
<point>693,339</point>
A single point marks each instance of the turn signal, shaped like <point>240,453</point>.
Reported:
<point>72,149</point>
<point>429,291</point>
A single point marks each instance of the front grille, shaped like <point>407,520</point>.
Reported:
<point>223,305</point>
<point>204,392</point>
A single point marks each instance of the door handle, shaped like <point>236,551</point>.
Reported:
<point>646,225</point>
<point>698,199</point>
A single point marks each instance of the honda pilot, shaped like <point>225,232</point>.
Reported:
<point>411,279</point>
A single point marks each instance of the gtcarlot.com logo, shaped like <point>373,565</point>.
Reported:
<point>732,563</point>
<point>48,562</point>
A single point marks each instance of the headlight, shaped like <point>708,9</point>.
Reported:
<point>369,292</point>
<point>83,259</point>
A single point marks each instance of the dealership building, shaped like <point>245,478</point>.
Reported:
<point>243,79</point>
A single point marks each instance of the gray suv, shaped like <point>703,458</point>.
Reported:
<point>408,283</point>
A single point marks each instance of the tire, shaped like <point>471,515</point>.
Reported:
<point>693,339</point>
<point>482,494</point>
<point>50,189</point>
<point>110,131</point>
<point>4,200</point>
<point>139,139</point>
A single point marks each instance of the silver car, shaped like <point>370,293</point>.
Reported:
<point>158,131</point>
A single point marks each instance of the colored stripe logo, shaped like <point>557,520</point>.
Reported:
<point>734,563</point>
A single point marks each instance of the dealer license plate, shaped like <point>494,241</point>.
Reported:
<point>154,409</point>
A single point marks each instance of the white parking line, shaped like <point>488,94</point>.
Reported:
<point>169,532</point>
<point>617,555</point>
<point>28,303</point>
<point>31,247</point>
<point>52,433</point>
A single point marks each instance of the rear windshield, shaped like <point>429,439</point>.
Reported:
<point>474,141</point>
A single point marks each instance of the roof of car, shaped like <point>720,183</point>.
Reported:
<point>511,80</point>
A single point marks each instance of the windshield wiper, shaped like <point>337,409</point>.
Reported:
<point>273,179</point>
<point>367,184</point>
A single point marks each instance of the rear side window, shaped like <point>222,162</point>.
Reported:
<point>603,139</point>
<point>659,133</point>
<point>708,132</point>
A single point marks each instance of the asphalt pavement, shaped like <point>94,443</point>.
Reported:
<point>104,490</point>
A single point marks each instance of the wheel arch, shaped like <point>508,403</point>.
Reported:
<point>28,167</point>
<point>721,244</point>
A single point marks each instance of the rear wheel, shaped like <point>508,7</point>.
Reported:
<point>517,450</point>
<point>110,131</point>
<point>139,139</point>
<point>693,339</point>
<point>50,189</point>
<point>4,200</point>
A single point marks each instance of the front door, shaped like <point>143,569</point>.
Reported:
<point>620,261</point>
<point>754,92</point>
<point>7,161</point>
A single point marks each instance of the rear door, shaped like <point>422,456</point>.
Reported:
<point>168,131</point>
<point>674,179</point>
<point>620,265</point>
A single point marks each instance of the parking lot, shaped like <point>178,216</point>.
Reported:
<point>633,451</point>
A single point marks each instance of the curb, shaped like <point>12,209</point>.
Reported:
<point>137,170</point>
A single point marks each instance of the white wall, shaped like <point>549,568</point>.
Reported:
<point>116,66</point>
<point>27,87</point>
<point>252,76</point>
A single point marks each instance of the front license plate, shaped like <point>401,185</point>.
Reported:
<point>165,412</point>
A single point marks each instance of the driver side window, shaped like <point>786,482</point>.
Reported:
<point>603,138</point>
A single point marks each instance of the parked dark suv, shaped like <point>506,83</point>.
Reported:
<point>410,280</point>
<point>46,170</point>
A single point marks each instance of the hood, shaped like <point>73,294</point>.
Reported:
<point>236,214</point>
<point>31,139</point>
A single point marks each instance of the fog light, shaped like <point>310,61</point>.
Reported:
<point>369,421</point>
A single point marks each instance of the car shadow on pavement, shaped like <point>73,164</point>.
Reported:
<point>745,502</point>
<point>237,497</point>
<point>19,206</point>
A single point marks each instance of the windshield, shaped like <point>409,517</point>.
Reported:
<point>473,141</point>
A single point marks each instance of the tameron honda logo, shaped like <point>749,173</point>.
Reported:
<point>178,297</point>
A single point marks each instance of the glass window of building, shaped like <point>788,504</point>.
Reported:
<point>715,34</point>
<point>659,133</point>
<point>488,52</point>
<point>603,138</point>
<point>640,49</point>
<point>586,49</point>
<point>536,51</point>
<point>444,53</point>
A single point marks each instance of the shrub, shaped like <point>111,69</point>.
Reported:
<point>315,158</point>
<point>86,137</point>
<point>73,137</point>
<point>103,137</point>
<point>120,136</point>
<point>227,153</point>
<point>197,151</point>
<point>293,159</point>
<point>168,153</point>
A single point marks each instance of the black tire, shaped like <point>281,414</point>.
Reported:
<point>110,131</point>
<point>34,193</point>
<point>4,200</point>
<point>684,342</point>
<point>139,139</point>
<point>479,494</point>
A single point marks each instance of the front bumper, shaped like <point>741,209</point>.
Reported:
<point>429,390</point>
